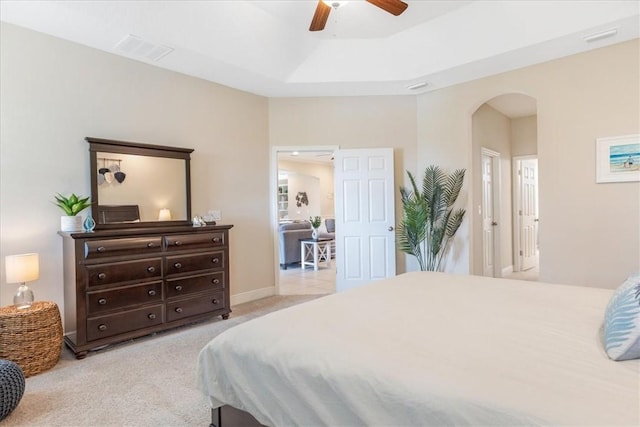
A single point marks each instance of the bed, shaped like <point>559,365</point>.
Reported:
<point>427,349</point>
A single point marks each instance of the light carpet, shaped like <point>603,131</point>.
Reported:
<point>147,381</point>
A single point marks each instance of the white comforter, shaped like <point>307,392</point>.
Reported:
<point>427,349</point>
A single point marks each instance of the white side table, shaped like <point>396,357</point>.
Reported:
<point>313,252</point>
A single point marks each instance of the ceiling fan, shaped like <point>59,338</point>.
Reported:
<point>394,7</point>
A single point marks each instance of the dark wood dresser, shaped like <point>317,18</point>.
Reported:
<point>123,284</point>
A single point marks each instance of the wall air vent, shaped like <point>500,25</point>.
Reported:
<point>135,46</point>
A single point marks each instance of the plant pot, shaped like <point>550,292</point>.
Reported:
<point>71,223</point>
<point>314,234</point>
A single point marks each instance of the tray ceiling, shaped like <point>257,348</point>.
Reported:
<point>264,47</point>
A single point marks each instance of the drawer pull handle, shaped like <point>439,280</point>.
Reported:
<point>178,287</point>
<point>177,265</point>
<point>102,327</point>
<point>150,245</point>
<point>101,249</point>
<point>178,310</point>
<point>215,260</point>
<point>178,243</point>
<point>215,281</point>
<point>152,292</point>
<point>215,301</point>
<point>216,240</point>
<point>102,276</point>
<point>151,269</point>
<point>102,301</point>
<point>152,316</point>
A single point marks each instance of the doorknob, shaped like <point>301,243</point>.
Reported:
<point>494,223</point>
<point>390,228</point>
<point>536,220</point>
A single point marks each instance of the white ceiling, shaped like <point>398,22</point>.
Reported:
<point>264,47</point>
<point>514,105</point>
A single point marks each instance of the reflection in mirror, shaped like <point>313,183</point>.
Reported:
<point>150,183</point>
<point>145,184</point>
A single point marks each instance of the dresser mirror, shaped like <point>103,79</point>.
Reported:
<point>139,185</point>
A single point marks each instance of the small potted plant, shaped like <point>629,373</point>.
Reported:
<point>71,206</point>
<point>315,223</point>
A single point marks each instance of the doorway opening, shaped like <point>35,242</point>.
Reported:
<point>302,188</point>
<point>491,203</point>
<point>504,140</point>
<point>525,216</point>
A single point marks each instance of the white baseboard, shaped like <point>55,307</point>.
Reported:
<point>253,295</point>
<point>507,270</point>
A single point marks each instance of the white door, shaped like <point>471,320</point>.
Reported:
<point>528,213</point>
<point>490,213</point>
<point>365,216</point>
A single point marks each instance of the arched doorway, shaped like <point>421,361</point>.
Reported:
<point>504,179</point>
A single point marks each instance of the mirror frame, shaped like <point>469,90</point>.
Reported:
<point>126,147</point>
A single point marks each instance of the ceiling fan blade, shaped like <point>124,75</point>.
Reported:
<point>320,16</point>
<point>394,7</point>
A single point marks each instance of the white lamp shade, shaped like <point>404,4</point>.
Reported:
<point>165,215</point>
<point>22,268</point>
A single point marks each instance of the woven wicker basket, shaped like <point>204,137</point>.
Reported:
<point>31,337</point>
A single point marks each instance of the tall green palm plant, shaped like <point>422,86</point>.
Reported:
<point>429,221</point>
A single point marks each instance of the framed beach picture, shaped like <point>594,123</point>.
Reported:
<point>618,159</point>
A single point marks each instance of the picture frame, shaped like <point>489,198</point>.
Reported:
<point>618,159</point>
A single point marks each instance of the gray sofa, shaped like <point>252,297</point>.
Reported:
<point>330,226</point>
<point>290,235</point>
<point>330,232</point>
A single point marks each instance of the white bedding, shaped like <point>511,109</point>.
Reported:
<point>427,349</point>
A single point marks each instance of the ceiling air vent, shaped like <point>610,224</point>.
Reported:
<point>136,46</point>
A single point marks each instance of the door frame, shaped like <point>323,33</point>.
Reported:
<point>273,195</point>
<point>517,202</point>
<point>497,205</point>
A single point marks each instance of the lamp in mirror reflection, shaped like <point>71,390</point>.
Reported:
<point>21,269</point>
<point>164,215</point>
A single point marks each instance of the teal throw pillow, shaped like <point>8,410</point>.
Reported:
<point>622,321</point>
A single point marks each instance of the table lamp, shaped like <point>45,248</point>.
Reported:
<point>165,215</point>
<point>21,269</point>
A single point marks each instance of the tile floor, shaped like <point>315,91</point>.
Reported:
<point>296,281</point>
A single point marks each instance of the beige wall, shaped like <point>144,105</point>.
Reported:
<point>491,129</point>
<point>524,136</point>
<point>54,93</point>
<point>350,122</point>
<point>589,233</point>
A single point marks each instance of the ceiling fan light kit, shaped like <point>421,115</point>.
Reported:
<point>319,20</point>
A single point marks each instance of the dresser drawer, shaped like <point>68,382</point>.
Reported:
<point>98,302</point>
<point>117,247</point>
<point>181,242</point>
<point>133,271</point>
<point>189,285</point>
<point>190,307</point>
<point>188,263</point>
<point>114,324</point>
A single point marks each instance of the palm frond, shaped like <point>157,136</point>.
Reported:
<point>454,222</point>
<point>453,186</point>
<point>428,220</point>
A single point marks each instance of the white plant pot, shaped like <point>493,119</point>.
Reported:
<point>71,223</point>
